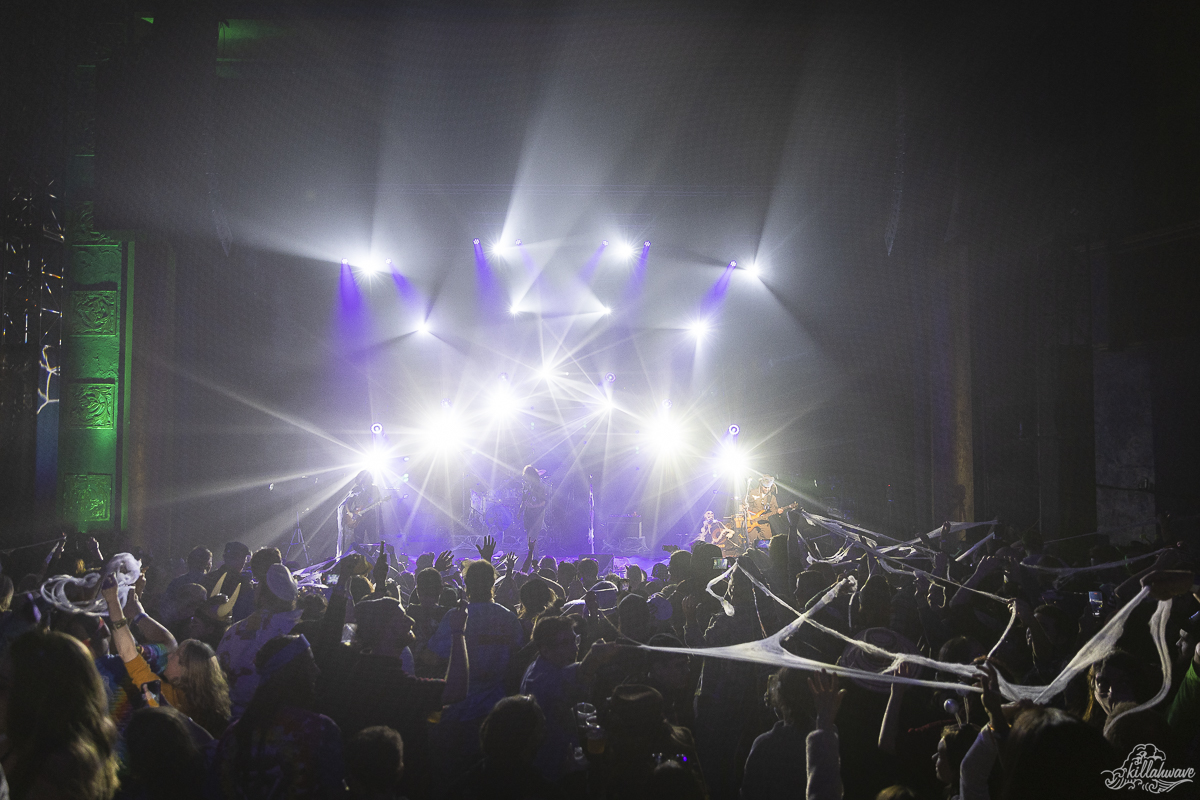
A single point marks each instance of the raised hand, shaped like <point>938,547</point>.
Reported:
<point>487,549</point>
<point>1167,583</point>
<point>510,564</point>
<point>827,698</point>
<point>992,702</point>
<point>108,590</point>
<point>445,561</point>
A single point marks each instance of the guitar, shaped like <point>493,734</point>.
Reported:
<point>350,519</point>
<point>762,518</point>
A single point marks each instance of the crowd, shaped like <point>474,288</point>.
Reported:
<point>489,678</point>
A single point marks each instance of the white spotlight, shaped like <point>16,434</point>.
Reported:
<point>698,328</point>
<point>625,250</point>
<point>423,326</point>
<point>664,435</point>
<point>605,310</point>
<point>753,269</point>
<point>514,309</point>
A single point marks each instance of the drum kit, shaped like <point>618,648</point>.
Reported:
<point>497,513</point>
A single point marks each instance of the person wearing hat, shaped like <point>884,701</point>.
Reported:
<point>638,736</point>
<point>275,614</point>
<point>232,580</point>
<point>210,620</point>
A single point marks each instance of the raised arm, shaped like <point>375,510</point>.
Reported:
<point>890,726</point>
<point>458,671</point>
<point>122,637</point>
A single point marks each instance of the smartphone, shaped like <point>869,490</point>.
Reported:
<point>1096,601</point>
<point>722,563</point>
<point>331,579</point>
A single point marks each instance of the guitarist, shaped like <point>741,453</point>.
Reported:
<point>762,500</point>
<point>357,523</point>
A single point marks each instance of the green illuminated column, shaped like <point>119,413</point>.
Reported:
<point>94,376</point>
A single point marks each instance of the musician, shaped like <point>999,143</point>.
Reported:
<point>708,526</point>
<point>761,499</point>
<point>533,500</point>
<point>355,524</point>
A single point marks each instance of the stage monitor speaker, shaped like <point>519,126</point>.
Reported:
<point>604,560</point>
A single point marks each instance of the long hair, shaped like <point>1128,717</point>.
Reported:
<point>959,739</point>
<point>536,596</point>
<point>57,709</point>
<point>1127,663</point>
<point>203,690</point>
<point>291,685</point>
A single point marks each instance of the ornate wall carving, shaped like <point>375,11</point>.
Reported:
<point>92,313</point>
<point>89,405</point>
<point>87,498</point>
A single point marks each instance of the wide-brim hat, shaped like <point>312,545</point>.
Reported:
<point>606,595</point>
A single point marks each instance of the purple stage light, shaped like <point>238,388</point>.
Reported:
<point>345,261</point>
<point>376,429</point>
<point>610,377</point>
<point>605,243</point>
<point>518,242</point>
<point>733,263</point>
<point>734,430</point>
<point>646,243</point>
<point>666,403</point>
<point>474,241</point>
<point>446,402</point>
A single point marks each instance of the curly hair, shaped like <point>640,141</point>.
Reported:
<point>203,690</point>
<point>58,722</point>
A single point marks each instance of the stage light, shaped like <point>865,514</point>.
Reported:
<point>752,269</point>
<point>733,264</point>
<point>605,310</point>
<point>474,241</point>
<point>646,243</point>
<point>504,377</point>
<point>504,404</point>
<point>373,460</point>
<point>664,435</point>
<point>518,242</point>
<point>377,429</point>
<point>735,462</point>
<point>370,267</point>
<point>698,328</point>
<point>404,478</point>
<point>666,404</point>
<point>345,262</point>
<point>625,250</point>
<point>514,309</point>
<point>611,377</point>
<point>734,430</point>
<point>423,327</point>
<point>604,243</point>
